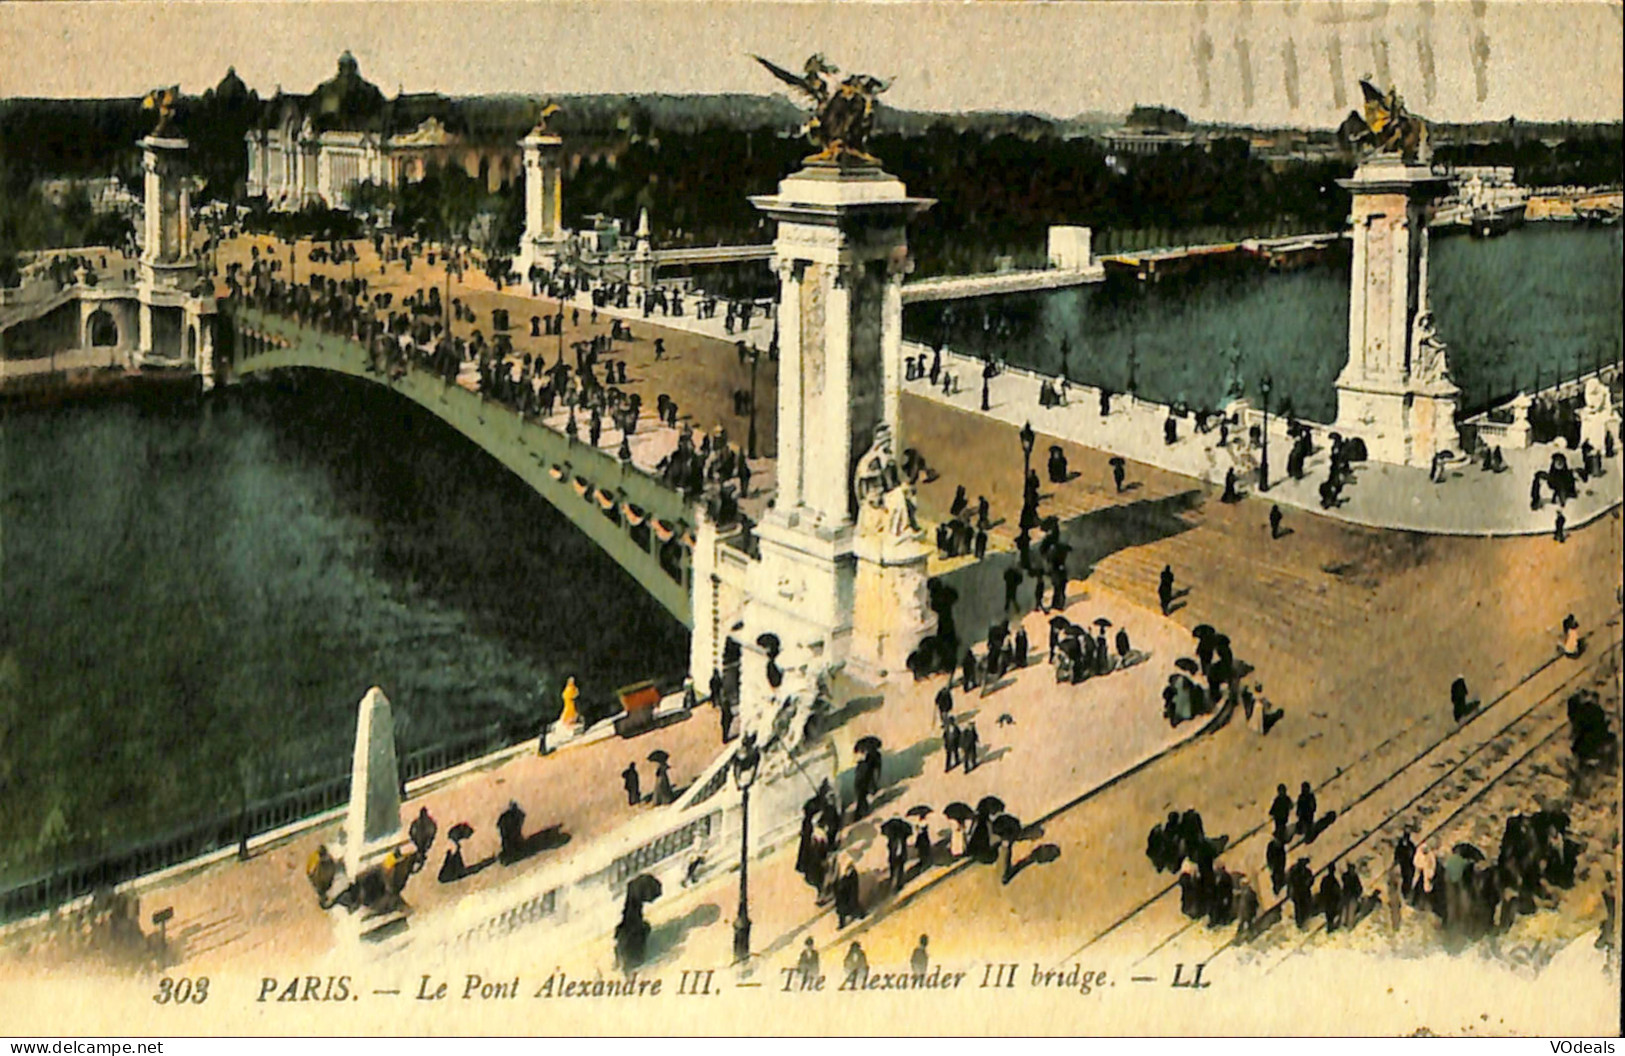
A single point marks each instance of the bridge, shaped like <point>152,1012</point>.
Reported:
<point>623,507</point>
<point>953,287</point>
<point>692,255</point>
<point>1152,265</point>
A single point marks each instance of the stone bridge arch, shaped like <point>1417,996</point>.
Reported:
<point>643,526</point>
<point>101,329</point>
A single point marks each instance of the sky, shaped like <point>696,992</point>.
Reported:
<point>1267,62</point>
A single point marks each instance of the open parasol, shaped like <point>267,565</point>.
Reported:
<point>868,744</point>
<point>921,811</point>
<point>643,888</point>
<point>1203,630</point>
<point>460,832</point>
<point>1468,851</point>
<point>1101,621</point>
<point>896,829</point>
<point>658,756</point>
<point>957,811</point>
<point>768,642</point>
<point>1007,827</point>
<point>990,805</point>
<point>1187,665</point>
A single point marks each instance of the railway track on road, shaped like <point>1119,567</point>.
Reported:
<point>1382,789</point>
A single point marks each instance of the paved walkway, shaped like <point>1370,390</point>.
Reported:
<point>1468,502</point>
<point>1044,747</point>
<point>232,913</point>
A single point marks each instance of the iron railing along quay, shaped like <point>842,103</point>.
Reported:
<point>109,868</point>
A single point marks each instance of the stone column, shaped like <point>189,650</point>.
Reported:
<point>544,200</point>
<point>1395,391</point>
<point>372,828</point>
<point>841,233</point>
<point>168,269</point>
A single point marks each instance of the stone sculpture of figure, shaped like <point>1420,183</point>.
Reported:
<point>878,485</point>
<point>844,111</point>
<point>1386,127</point>
<point>1428,360</point>
<point>798,705</point>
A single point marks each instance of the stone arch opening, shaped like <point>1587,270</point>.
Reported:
<point>102,328</point>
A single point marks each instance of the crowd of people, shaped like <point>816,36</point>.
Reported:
<point>415,332</point>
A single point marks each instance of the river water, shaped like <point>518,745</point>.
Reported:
<point>1542,301</point>
<point>194,597</point>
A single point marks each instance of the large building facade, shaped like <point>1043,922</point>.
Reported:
<point>316,150</point>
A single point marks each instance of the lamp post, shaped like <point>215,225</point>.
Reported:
<point>746,760</point>
<point>750,438</point>
<point>1264,386</point>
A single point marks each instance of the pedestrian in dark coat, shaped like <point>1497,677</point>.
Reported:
<point>1331,899</point>
<point>1281,812</point>
<point>1353,892</point>
<point>847,905</point>
<point>1165,588</point>
<point>967,671</point>
<point>422,833</point>
<point>1275,859</point>
<point>950,745</point>
<point>1156,847</point>
<point>629,778</point>
<point>1405,859</point>
<point>1300,882</point>
<point>922,847</point>
<point>968,743</point>
<point>1306,812</point>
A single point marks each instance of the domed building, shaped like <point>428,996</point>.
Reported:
<point>316,149</point>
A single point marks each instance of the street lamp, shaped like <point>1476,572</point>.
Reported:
<point>750,441</point>
<point>746,760</point>
<point>1027,440</point>
<point>1264,386</point>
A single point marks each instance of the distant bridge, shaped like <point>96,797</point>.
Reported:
<point>621,507</point>
<point>694,255</point>
<point>953,287</point>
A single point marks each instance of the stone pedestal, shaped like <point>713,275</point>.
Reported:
<point>544,237</point>
<point>1395,391</point>
<point>803,586</point>
<point>891,610</point>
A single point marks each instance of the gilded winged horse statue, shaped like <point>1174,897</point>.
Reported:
<point>1386,127</point>
<point>162,100</point>
<point>843,111</point>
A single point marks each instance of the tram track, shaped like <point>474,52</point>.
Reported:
<point>1532,721</point>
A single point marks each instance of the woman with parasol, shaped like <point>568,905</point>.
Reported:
<point>1103,654</point>
<point>961,815</point>
<point>923,849</point>
<point>453,868</point>
<point>632,933</point>
<point>663,793</point>
<point>980,845</point>
<point>804,846</point>
<point>897,832</point>
<point>866,776</point>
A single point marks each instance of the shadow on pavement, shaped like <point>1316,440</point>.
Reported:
<point>1092,536</point>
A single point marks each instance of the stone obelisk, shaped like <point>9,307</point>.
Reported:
<point>372,828</point>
